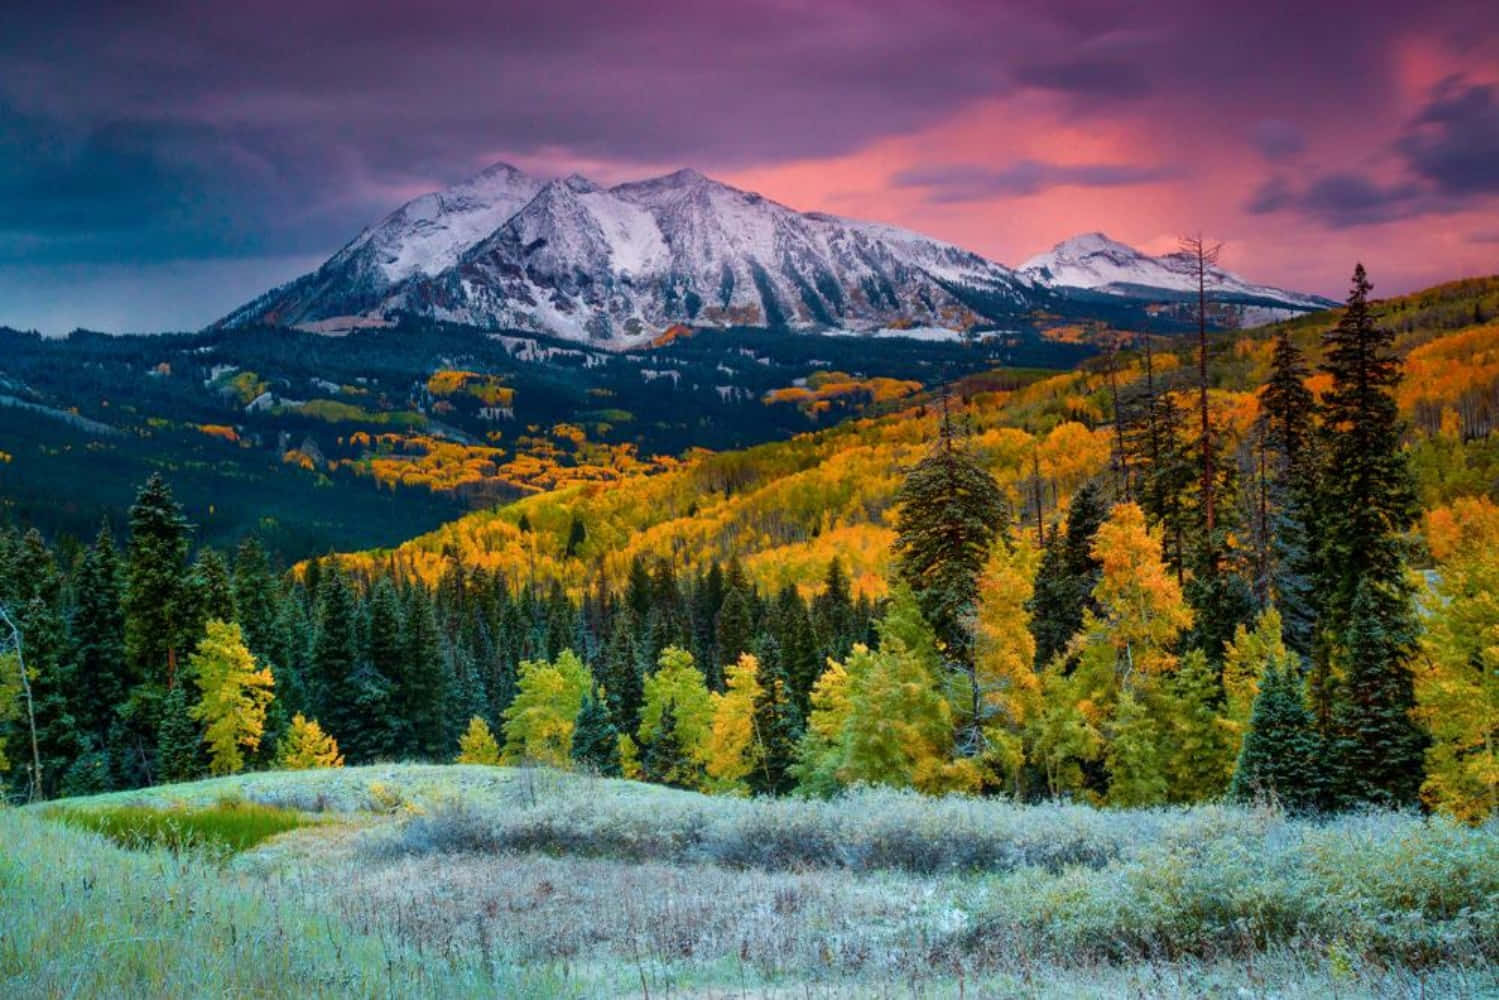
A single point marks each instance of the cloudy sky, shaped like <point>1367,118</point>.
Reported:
<point>162,162</point>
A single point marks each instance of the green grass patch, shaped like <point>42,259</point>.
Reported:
<point>227,826</point>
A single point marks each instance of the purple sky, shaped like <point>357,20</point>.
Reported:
<point>161,162</point>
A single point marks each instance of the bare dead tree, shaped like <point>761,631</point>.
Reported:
<point>1201,258</point>
<point>1121,460</point>
<point>14,642</point>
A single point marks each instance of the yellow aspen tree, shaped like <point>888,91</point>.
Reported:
<point>820,753</point>
<point>477,745</point>
<point>1457,674</point>
<point>1004,655</point>
<point>679,683</point>
<point>539,722</point>
<point>235,695</point>
<point>733,748</point>
<point>1143,609</point>
<point>1127,646</point>
<point>305,747</point>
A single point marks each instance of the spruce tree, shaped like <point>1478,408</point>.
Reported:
<point>595,739</point>
<point>255,602</point>
<point>1378,749</point>
<point>98,630</point>
<point>800,663</point>
<point>157,610</point>
<point>1289,412</point>
<point>778,728</point>
<point>949,512</point>
<point>619,676</point>
<point>667,760</point>
<point>1369,625</point>
<point>1369,495</point>
<point>1066,577</point>
<point>735,628</point>
<point>833,618</point>
<point>179,741</point>
<point>212,592</point>
<point>1278,758</point>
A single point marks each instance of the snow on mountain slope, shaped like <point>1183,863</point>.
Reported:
<point>1094,261</point>
<point>617,266</point>
<point>423,237</point>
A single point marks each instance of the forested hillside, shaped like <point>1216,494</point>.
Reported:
<point>318,443</point>
<point>1129,584</point>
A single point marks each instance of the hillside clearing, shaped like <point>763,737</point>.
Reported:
<point>457,881</point>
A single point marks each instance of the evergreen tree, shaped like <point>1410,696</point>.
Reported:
<point>620,677</point>
<point>98,630</point>
<point>1168,483</point>
<point>1289,413</point>
<point>59,739</point>
<point>178,740</point>
<point>351,695</point>
<point>833,619</point>
<point>595,739</point>
<point>421,685</point>
<point>255,602</point>
<point>1278,758</point>
<point>949,512</point>
<point>1066,577</point>
<point>1369,496</point>
<point>777,726</point>
<point>1369,626</point>
<point>157,610</point>
<point>735,634</point>
<point>212,592</point>
<point>1377,747</point>
<point>799,663</point>
<point>577,534</point>
<point>668,759</point>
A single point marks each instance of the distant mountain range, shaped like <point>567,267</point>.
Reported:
<point>619,266</point>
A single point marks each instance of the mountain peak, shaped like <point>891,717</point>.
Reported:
<point>504,250</point>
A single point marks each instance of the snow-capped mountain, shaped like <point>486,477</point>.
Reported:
<point>1093,261</point>
<point>617,266</point>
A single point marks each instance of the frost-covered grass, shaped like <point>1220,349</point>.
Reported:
<point>461,880</point>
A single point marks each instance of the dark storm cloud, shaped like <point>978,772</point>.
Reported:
<point>971,182</point>
<point>1449,152</point>
<point>1277,139</point>
<point>156,129</point>
<point>1454,141</point>
<point>1342,200</point>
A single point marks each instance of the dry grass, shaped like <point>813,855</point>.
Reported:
<point>474,881</point>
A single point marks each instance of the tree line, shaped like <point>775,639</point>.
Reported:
<point>1210,618</point>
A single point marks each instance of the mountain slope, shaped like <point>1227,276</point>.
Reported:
<point>1095,262</point>
<point>786,509</point>
<point>618,266</point>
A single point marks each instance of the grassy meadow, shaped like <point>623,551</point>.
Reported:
<point>475,881</point>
